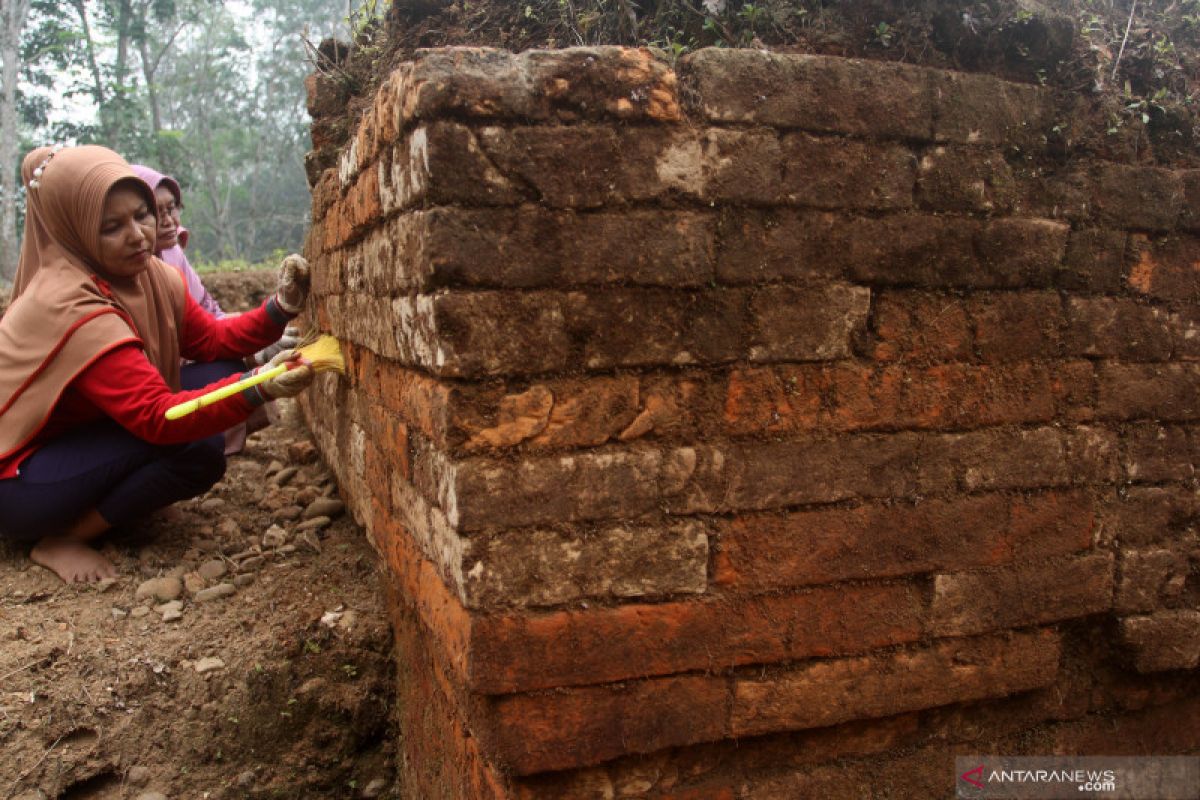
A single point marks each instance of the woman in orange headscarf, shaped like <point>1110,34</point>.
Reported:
<point>90,353</point>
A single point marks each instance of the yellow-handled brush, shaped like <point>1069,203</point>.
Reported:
<point>323,354</point>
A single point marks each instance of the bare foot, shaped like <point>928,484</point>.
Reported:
<point>72,561</point>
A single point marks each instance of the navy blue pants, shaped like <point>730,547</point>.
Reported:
<point>103,466</point>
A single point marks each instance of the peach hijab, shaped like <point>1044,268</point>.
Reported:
<point>66,312</point>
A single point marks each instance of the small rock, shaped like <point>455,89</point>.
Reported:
<point>274,467</point>
<point>163,589</point>
<point>211,570</point>
<point>212,505</point>
<point>215,592</point>
<point>174,605</point>
<point>105,584</point>
<point>288,513</point>
<point>302,452</point>
<point>30,794</point>
<point>274,537</point>
<point>284,475</point>
<point>252,564</point>
<point>286,549</point>
<point>314,524</point>
<point>138,775</point>
<point>177,571</point>
<point>140,611</point>
<point>324,507</point>
<point>307,495</point>
<point>253,550</point>
<point>242,581</point>
<point>193,582</point>
<point>208,664</point>
<point>208,545</point>
<point>374,788</point>
<point>245,779</point>
<point>119,613</point>
<point>310,540</point>
<point>229,529</point>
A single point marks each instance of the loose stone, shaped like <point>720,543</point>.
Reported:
<point>324,507</point>
<point>163,589</point>
<point>215,592</point>
<point>213,569</point>
<point>208,664</point>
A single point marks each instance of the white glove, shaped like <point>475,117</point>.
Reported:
<point>290,383</point>
<point>290,338</point>
<point>292,289</point>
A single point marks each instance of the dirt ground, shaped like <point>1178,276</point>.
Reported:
<point>280,685</point>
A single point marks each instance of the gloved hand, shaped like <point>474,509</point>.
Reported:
<point>290,338</point>
<point>292,289</point>
<point>290,383</point>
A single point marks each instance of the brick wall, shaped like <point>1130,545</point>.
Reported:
<point>759,426</point>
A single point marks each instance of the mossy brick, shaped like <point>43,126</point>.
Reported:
<point>1149,578</point>
<point>809,92</point>
<point>984,110</point>
<point>825,693</point>
<point>1024,594</point>
<point>1189,217</point>
<point>1167,391</point>
<point>1165,640</point>
<point>766,552</point>
<point>944,252</point>
<point>1096,261</point>
<point>960,178</point>
<point>589,725</point>
<point>841,173</point>
<point>1137,197</point>
<point>579,647</point>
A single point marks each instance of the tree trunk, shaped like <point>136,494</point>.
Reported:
<point>13,14</point>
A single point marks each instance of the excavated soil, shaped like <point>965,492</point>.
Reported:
<point>280,688</point>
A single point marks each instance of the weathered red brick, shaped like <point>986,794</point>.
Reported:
<point>1137,197</point>
<point>1115,327</point>
<point>1096,261</point>
<point>1148,577</point>
<point>960,178</point>
<point>1145,516</point>
<point>1017,326</point>
<point>833,172</point>
<point>1033,457</point>
<point>1189,218</point>
<point>1154,453</point>
<point>917,326</point>
<point>442,163</point>
<point>1166,268</point>
<point>757,245</point>
<point>516,653</point>
<point>827,692</point>
<point>806,324</point>
<point>943,252</point>
<point>762,552</point>
<point>1164,640</point>
<point>546,567</point>
<point>981,109</point>
<point>1024,594</point>
<point>814,93</point>
<point>1168,392</point>
<point>577,727</point>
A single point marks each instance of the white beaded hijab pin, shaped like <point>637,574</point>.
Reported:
<point>37,173</point>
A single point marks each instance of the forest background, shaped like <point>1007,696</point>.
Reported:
<point>208,91</point>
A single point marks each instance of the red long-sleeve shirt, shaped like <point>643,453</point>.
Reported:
<point>122,383</point>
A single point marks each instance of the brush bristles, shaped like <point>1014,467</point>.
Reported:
<point>325,354</point>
